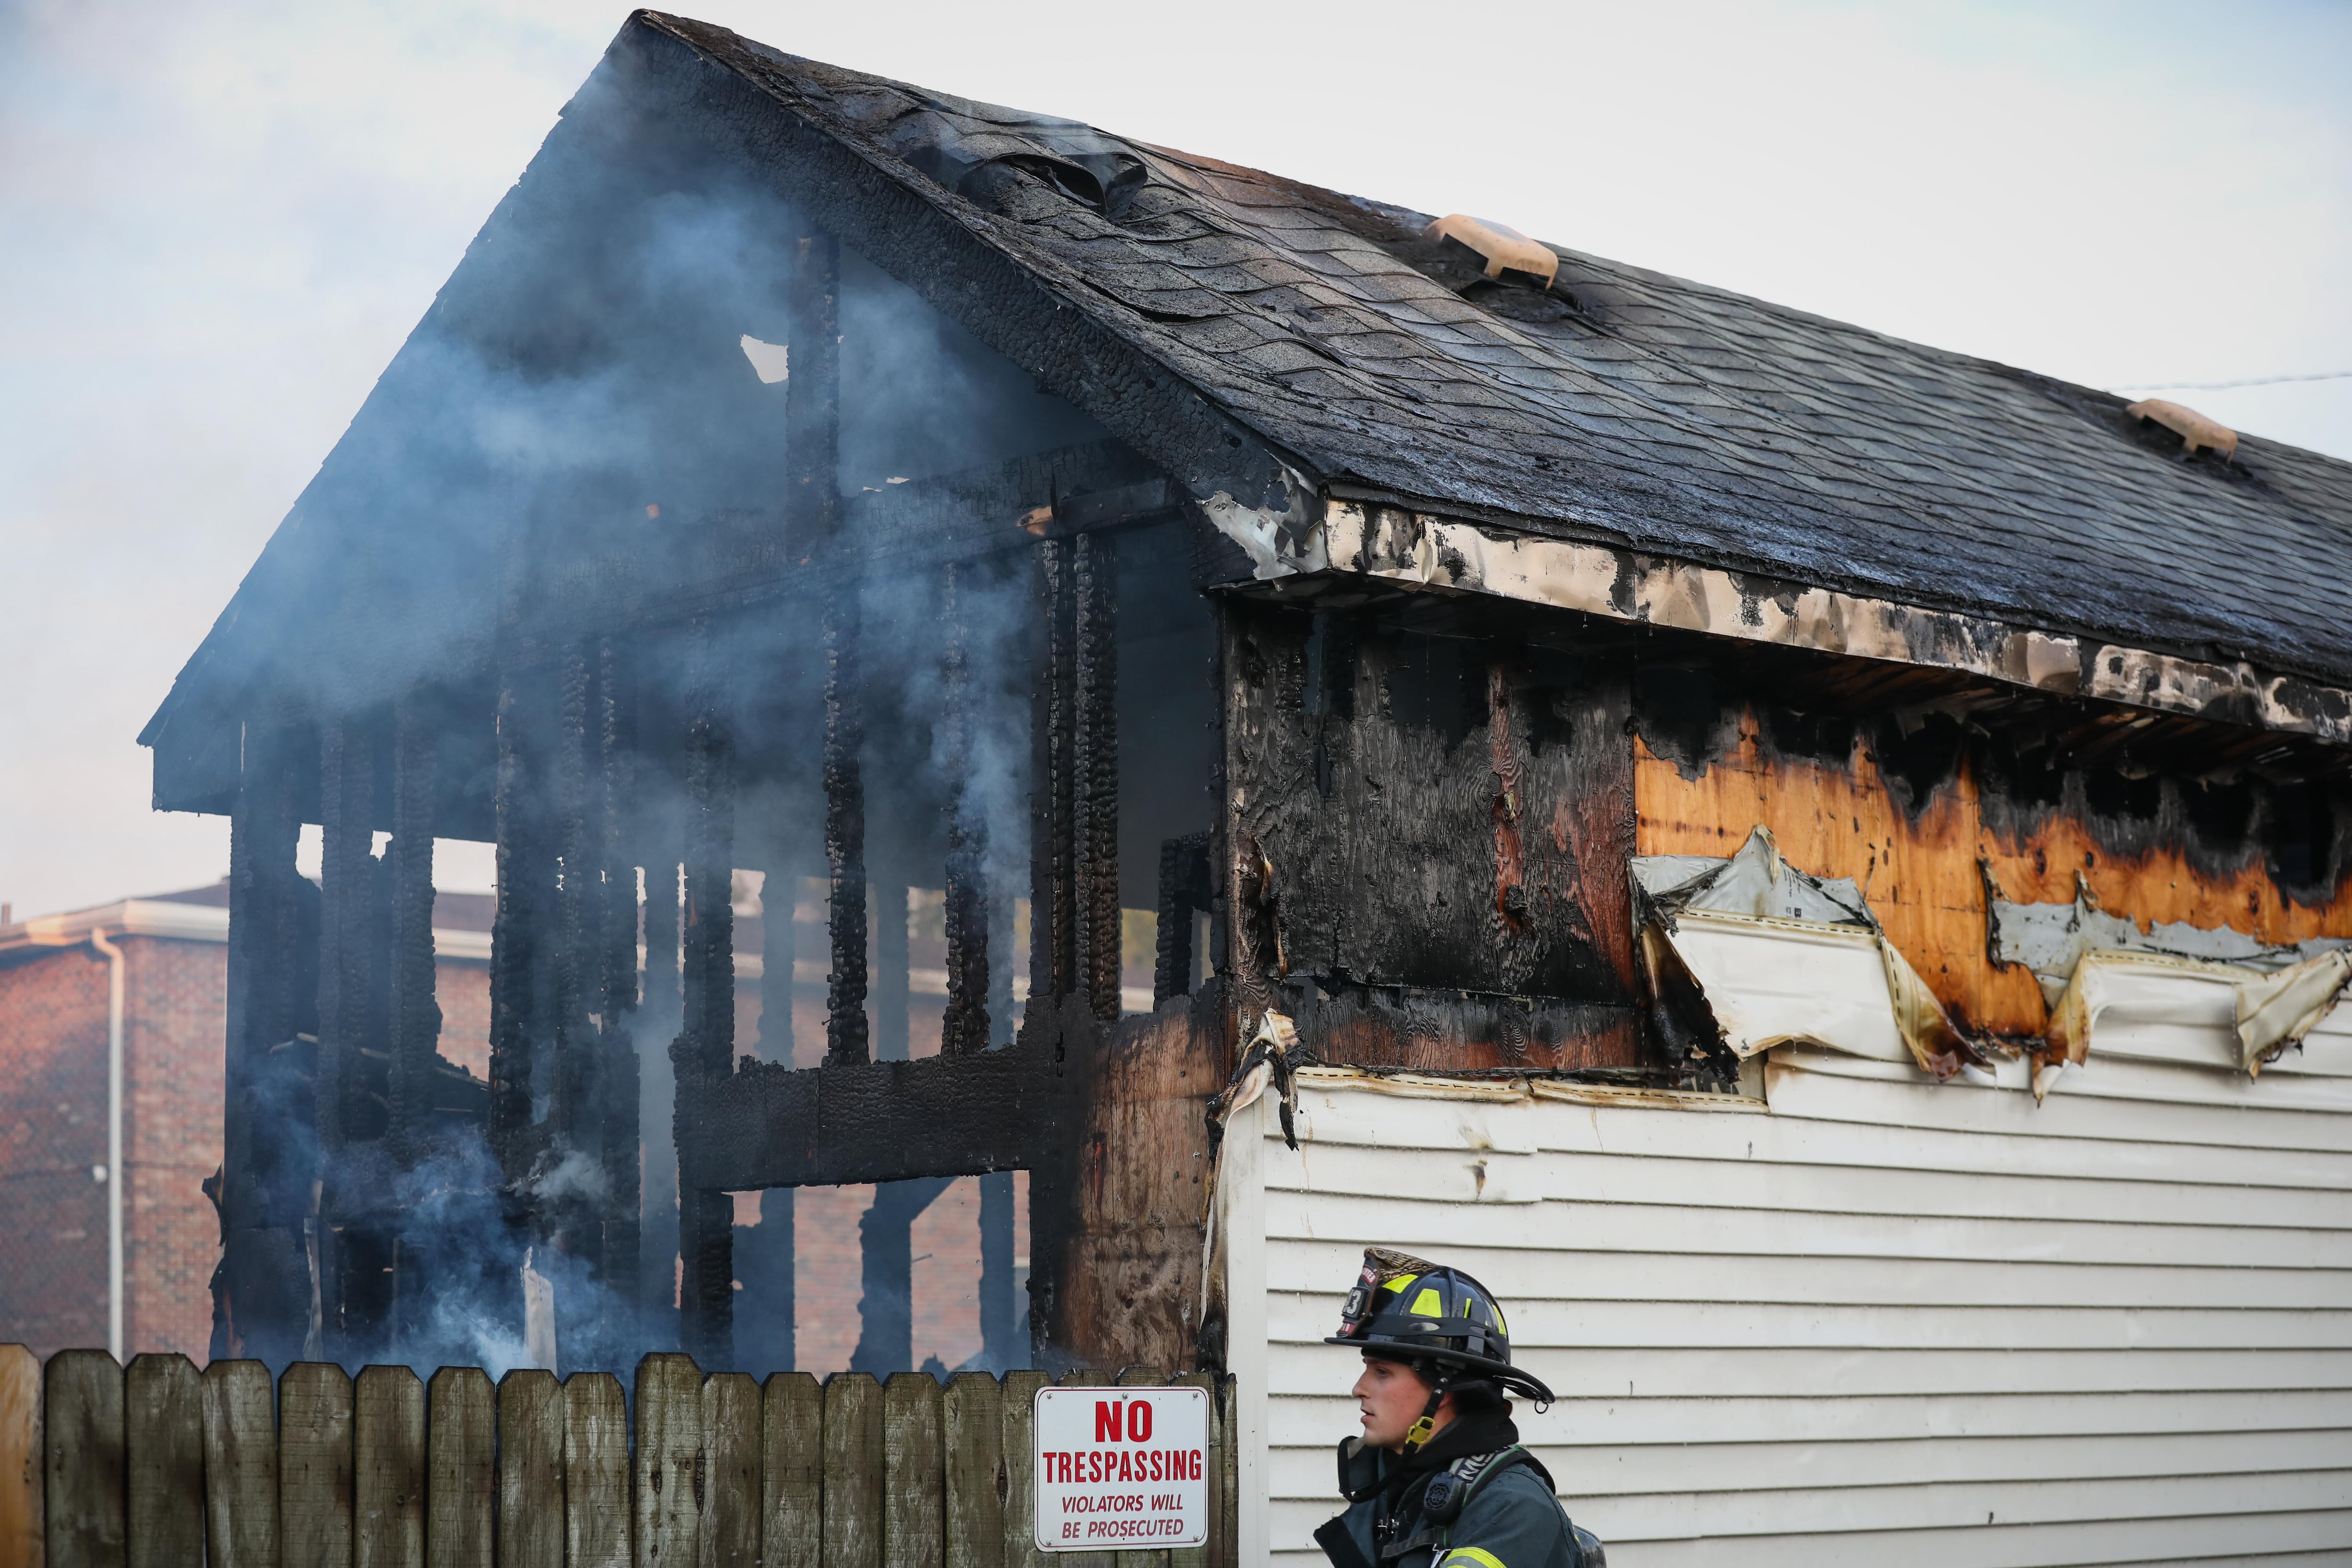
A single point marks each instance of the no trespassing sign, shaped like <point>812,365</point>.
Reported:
<point>1121,1468</point>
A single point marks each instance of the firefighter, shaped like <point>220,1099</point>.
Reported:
<point>1439,1479</point>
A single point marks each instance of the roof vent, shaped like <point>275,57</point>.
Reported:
<point>2193,428</point>
<point>1503,249</point>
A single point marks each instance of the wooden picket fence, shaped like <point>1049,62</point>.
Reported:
<point>160,1466</point>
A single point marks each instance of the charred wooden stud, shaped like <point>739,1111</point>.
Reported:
<point>704,1049</point>
<point>964,1030</point>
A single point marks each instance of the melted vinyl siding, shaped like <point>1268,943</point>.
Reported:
<point>1884,1322</point>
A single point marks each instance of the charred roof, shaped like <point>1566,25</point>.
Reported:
<point>1618,402</point>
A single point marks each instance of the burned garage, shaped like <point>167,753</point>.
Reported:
<point>1820,861</point>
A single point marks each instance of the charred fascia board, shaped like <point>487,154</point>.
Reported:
<point>1416,550</point>
<point>971,265</point>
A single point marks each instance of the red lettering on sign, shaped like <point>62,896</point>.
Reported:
<point>1108,1421</point>
<point>1138,1421</point>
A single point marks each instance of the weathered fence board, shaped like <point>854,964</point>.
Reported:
<point>1020,1466</point>
<point>852,1471</point>
<point>164,1458</point>
<point>531,1469</point>
<point>314,1466</point>
<point>388,1469</point>
<point>595,1471</point>
<point>730,1445</point>
<point>914,1501</point>
<point>668,1507</point>
<point>85,1469</point>
<point>972,1430</point>
<point>460,1451</point>
<point>162,1465</point>
<point>1198,1556</point>
<point>792,1472</point>
<point>240,1465</point>
<point>23,1538</point>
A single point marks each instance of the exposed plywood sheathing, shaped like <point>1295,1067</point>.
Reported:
<point>1921,876</point>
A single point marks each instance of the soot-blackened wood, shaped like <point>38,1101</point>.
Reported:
<point>240,1466</point>
<point>595,1471</point>
<point>792,1472</point>
<point>1443,1031</point>
<point>416,1014</point>
<point>769,1126</point>
<point>1435,814</point>
<point>261,1293</point>
<point>163,1443</point>
<point>1094,772</point>
<point>1185,888</point>
<point>964,1029</point>
<point>704,1049</point>
<point>972,1433</point>
<point>346,899</point>
<point>853,1466</point>
<point>514,942</point>
<point>617,1078</point>
<point>460,1458</point>
<point>388,1469</point>
<point>572,1078</point>
<point>531,1469</point>
<point>83,1468</point>
<point>1053,942</point>
<point>657,1238</point>
<point>844,830</point>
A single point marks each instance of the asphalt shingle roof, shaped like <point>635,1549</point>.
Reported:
<point>1684,419</point>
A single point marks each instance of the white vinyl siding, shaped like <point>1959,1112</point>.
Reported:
<point>1883,1322</point>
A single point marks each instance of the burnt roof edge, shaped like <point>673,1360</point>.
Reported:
<point>1421,550</point>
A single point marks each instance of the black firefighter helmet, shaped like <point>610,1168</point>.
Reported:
<point>1406,1309</point>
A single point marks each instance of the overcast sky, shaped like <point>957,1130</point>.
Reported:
<point>218,221</point>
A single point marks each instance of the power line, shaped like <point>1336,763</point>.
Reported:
<point>2226,385</point>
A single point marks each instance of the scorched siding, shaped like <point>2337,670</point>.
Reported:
<point>1882,1322</point>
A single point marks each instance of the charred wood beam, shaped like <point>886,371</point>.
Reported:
<point>845,833</point>
<point>347,889</point>
<point>1055,965</point>
<point>1093,768</point>
<point>768,1126</point>
<point>964,1029</point>
<point>416,1014</point>
<point>700,1055</point>
<point>514,944</point>
<point>616,990</point>
<point>346,895</point>
<point>657,1243</point>
<point>260,1293</point>
<point>572,1078</point>
<point>1185,888</point>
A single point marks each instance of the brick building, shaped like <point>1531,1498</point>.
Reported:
<point>55,1180</point>
<point>55,986</point>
